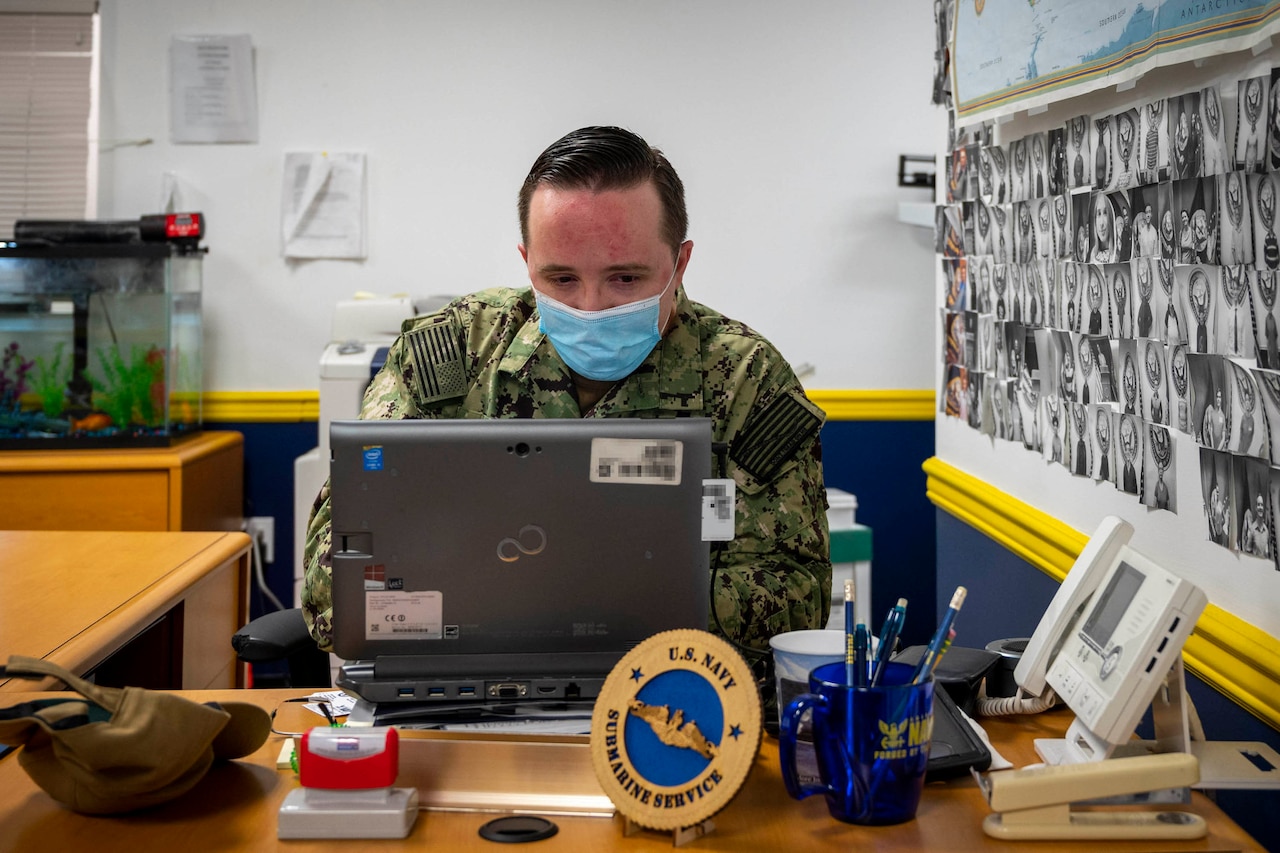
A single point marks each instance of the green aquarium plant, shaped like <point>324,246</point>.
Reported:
<point>49,382</point>
<point>130,392</point>
<point>13,377</point>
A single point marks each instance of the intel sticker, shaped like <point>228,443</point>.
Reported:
<point>373,458</point>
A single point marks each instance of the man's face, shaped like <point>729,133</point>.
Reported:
<point>1166,225</point>
<point>1128,437</point>
<point>1260,506</point>
<point>1199,290</point>
<point>1179,369</point>
<point>598,250</point>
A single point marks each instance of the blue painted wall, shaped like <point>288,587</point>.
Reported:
<point>880,462</point>
<point>1006,597</point>
<point>269,451</point>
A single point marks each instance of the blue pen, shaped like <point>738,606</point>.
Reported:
<point>860,643</point>
<point>941,638</point>
<point>850,655</point>
<point>889,638</point>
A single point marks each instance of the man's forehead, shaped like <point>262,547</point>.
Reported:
<point>615,216</point>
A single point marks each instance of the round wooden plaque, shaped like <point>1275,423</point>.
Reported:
<point>676,729</point>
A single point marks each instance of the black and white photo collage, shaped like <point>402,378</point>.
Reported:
<point>1112,282</point>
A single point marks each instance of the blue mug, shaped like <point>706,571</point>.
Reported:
<point>871,743</point>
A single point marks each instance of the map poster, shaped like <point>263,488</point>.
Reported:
<point>1010,55</point>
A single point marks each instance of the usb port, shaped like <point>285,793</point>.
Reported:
<point>404,691</point>
<point>466,691</point>
<point>435,691</point>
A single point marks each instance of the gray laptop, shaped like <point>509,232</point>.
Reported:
<point>502,561</point>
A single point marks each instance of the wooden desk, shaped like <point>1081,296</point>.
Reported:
<point>235,807</point>
<point>78,598</point>
<point>194,484</point>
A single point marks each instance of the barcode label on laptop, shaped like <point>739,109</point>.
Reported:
<point>403,615</point>
<point>637,461</point>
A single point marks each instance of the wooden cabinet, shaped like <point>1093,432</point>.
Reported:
<point>195,484</point>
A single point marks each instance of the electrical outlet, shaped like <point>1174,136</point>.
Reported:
<point>263,529</point>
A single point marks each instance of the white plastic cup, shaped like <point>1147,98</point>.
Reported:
<point>796,654</point>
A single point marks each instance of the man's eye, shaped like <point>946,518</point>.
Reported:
<point>626,279</point>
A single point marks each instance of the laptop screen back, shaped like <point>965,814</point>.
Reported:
<point>461,545</point>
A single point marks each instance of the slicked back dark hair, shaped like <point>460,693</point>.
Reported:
<point>608,158</point>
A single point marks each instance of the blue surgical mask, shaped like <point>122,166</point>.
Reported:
<point>604,345</point>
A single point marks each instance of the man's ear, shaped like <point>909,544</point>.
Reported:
<point>524,253</point>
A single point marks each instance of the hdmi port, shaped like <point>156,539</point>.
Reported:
<point>547,691</point>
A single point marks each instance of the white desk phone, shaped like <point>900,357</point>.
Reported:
<point>1110,646</point>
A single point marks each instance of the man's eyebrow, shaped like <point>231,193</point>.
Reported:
<point>633,268</point>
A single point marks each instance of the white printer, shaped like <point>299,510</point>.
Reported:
<point>363,328</point>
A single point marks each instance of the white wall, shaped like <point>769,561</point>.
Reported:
<point>1241,584</point>
<point>785,121</point>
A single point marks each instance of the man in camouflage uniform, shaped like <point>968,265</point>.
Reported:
<point>603,225</point>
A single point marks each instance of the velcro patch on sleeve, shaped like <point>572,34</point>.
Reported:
<point>771,437</point>
<point>439,359</point>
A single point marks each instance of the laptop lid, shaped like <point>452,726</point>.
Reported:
<point>466,550</point>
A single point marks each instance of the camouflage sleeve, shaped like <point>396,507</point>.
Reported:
<point>775,576</point>
<point>317,587</point>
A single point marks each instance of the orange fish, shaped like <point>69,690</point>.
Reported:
<point>91,422</point>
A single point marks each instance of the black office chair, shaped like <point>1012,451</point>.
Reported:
<point>282,636</point>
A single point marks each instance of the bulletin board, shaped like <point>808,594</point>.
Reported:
<point>1107,275</point>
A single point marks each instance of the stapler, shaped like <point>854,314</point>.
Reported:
<point>1035,803</point>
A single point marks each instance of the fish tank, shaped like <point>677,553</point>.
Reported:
<point>100,343</point>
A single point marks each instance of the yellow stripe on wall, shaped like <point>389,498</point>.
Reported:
<point>291,406</point>
<point>261,406</point>
<point>875,405</point>
<point>1235,657</point>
